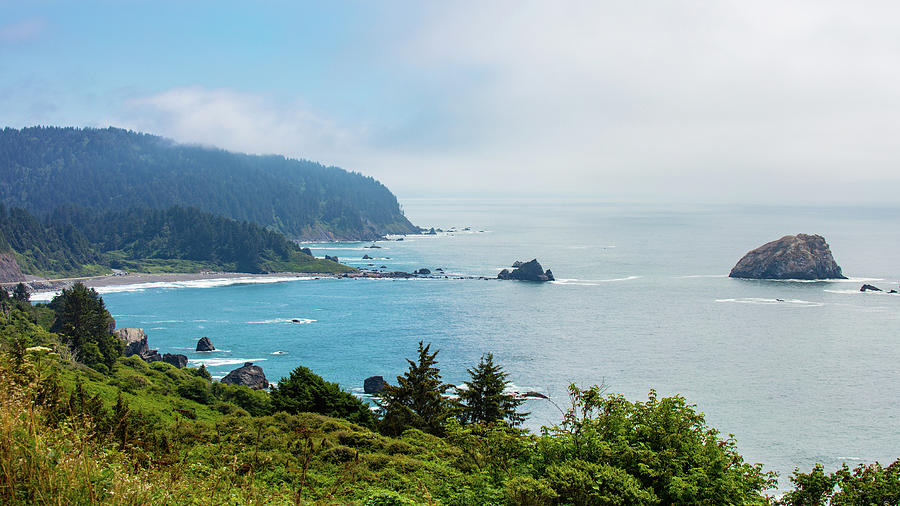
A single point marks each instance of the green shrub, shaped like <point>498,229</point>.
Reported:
<point>527,491</point>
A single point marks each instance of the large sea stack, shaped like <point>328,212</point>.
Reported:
<point>798,256</point>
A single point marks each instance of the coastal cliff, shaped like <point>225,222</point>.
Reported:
<point>9,268</point>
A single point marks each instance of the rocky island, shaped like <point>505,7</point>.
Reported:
<point>798,256</point>
<point>527,271</point>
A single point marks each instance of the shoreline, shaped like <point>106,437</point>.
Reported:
<point>43,286</point>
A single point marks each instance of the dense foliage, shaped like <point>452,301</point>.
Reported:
<point>46,247</point>
<point>306,392</point>
<point>114,169</point>
<point>82,241</point>
<point>148,433</point>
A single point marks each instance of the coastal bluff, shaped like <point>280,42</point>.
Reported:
<point>798,256</point>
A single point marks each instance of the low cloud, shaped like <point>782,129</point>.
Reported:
<point>238,121</point>
<point>22,31</point>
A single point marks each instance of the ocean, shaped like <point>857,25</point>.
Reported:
<point>642,301</point>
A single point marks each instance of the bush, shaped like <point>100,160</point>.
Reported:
<point>195,389</point>
<point>305,391</point>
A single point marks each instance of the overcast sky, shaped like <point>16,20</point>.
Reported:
<point>744,101</point>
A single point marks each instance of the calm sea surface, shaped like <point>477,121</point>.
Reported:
<point>642,302</point>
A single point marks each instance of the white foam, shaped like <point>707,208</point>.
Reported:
<point>591,282</point>
<point>43,296</point>
<point>216,362</point>
<point>766,302</point>
<point>851,291</point>
<point>848,280</point>
<point>193,283</point>
<point>279,352</point>
<point>296,321</point>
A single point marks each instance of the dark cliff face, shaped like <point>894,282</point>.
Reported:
<point>9,268</point>
<point>798,256</point>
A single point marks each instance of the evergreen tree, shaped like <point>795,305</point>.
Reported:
<point>83,322</point>
<point>484,400</point>
<point>418,399</point>
<point>20,293</point>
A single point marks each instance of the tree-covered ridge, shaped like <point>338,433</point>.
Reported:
<point>80,241</point>
<point>113,169</point>
<point>57,248</point>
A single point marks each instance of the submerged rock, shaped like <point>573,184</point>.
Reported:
<point>423,271</point>
<point>528,271</point>
<point>248,375</point>
<point>798,256</point>
<point>373,384</point>
<point>867,287</point>
<point>204,344</point>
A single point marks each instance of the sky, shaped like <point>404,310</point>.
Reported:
<point>724,101</point>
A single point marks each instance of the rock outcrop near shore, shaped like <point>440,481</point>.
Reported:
<point>528,271</point>
<point>248,375</point>
<point>798,256</point>
<point>135,341</point>
<point>136,344</point>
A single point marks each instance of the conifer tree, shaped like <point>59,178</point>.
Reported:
<point>83,321</point>
<point>484,400</point>
<point>417,401</point>
<point>20,293</point>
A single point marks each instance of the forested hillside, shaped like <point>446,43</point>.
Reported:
<point>42,168</point>
<point>79,241</point>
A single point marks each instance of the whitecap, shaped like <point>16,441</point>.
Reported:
<point>279,352</point>
<point>761,301</point>
<point>298,321</point>
<point>216,362</point>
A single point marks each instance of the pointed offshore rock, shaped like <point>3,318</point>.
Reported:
<point>528,271</point>
<point>798,256</point>
<point>204,344</point>
<point>248,375</point>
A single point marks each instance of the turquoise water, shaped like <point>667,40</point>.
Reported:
<point>642,302</point>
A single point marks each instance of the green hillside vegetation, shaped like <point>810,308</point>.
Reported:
<point>150,433</point>
<point>82,242</point>
<point>111,169</point>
